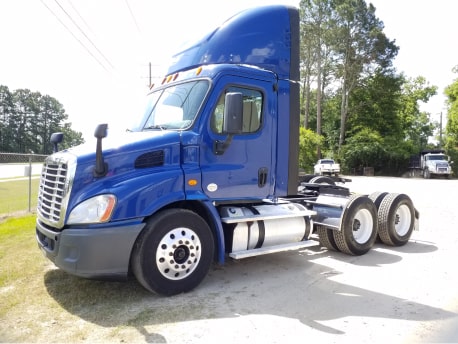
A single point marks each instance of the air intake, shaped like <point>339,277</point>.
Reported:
<point>151,159</point>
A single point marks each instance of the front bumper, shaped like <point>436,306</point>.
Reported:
<point>441,172</point>
<point>330,171</point>
<point>102,252</point>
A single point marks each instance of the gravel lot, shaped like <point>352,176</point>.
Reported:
<point>390,295</point>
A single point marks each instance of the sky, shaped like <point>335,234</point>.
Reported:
<point>93,56</point>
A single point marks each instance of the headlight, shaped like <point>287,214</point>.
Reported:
<point>94,210</point>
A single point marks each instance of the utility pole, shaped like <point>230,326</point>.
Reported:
<point>150,79</point>
<point>440,131</point>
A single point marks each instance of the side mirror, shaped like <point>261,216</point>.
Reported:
<point>232,121</point>
<point>233,113</point>
<point>56,138</point>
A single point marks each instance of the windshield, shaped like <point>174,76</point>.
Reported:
<point>327,161</point>
<point>437,157</point>
<point>175,107</point>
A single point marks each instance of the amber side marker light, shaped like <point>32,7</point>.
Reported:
<point>192,182</point>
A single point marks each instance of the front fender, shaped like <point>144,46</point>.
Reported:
<point>138,195</point>
<point>143,196</point>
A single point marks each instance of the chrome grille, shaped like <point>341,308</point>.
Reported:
<point>442,167</point>
<point>53,190</point>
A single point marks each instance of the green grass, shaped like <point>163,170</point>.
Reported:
<point>13,261</point>
<point>34,294</point>
<point>19,258</point>
<point>14,196</point>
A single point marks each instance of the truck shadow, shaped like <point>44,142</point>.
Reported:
<point>293,285</point>
<point>382,254</point>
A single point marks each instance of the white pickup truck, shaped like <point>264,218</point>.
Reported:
<point>326,167</point>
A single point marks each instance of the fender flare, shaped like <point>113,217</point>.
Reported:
<point>218,226</point>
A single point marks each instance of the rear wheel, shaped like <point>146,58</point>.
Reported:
<point>173,253</point>
<point>396,218</point>
<point>327,238</point>
<point>377,197</point>
<point>308,229</point>
<point>306,178</point>
<point>359,226</point>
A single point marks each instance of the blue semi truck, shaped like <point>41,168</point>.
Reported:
<point>209,173</point>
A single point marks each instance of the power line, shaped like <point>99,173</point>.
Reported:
<point>79,28</point>
<point>80,16</point>
<point>133,17</point>
<point>79,41</point>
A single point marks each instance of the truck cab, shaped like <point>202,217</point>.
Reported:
<point>326,167</point>
<point>435,163</point>
<point>209,171</point>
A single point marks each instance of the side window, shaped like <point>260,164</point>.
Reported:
<point>252,110</point>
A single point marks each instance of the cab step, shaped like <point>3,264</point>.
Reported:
<point>273,249</point>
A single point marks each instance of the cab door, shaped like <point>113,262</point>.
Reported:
<point>244,169</point>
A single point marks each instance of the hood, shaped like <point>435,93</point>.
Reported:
<point>125,155</point>
<point>439,163</point>
<point>125,144</point>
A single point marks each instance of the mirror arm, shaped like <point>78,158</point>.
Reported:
<point>101,167</point>
<point>219,147</point>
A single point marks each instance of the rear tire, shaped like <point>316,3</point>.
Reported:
<point>359,226</point>
<point>308,229</point>
<point>396,219</point>
<point>306,178</point>
<point>173,253</point>
<point>377,197</point>
<point>326,238</point>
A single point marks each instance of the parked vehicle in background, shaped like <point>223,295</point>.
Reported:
<point>326,167</point>
<point>432,162</point>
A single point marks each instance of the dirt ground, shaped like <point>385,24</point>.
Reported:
<point>403,294</point>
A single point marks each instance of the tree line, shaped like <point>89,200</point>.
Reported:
<point>451,129</point>
<point>361,110</point>
<point>27,120</point>
<point>355,106</point>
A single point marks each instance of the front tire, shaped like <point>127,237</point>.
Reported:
<point>426,174</point>
<point>359,226</point>
<point>173,253</point>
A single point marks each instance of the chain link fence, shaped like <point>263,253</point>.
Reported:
<point>19,176</point>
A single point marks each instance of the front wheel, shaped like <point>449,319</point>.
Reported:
<point>358,227</point>
<point>426,174</point>
<point>173,253</point>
